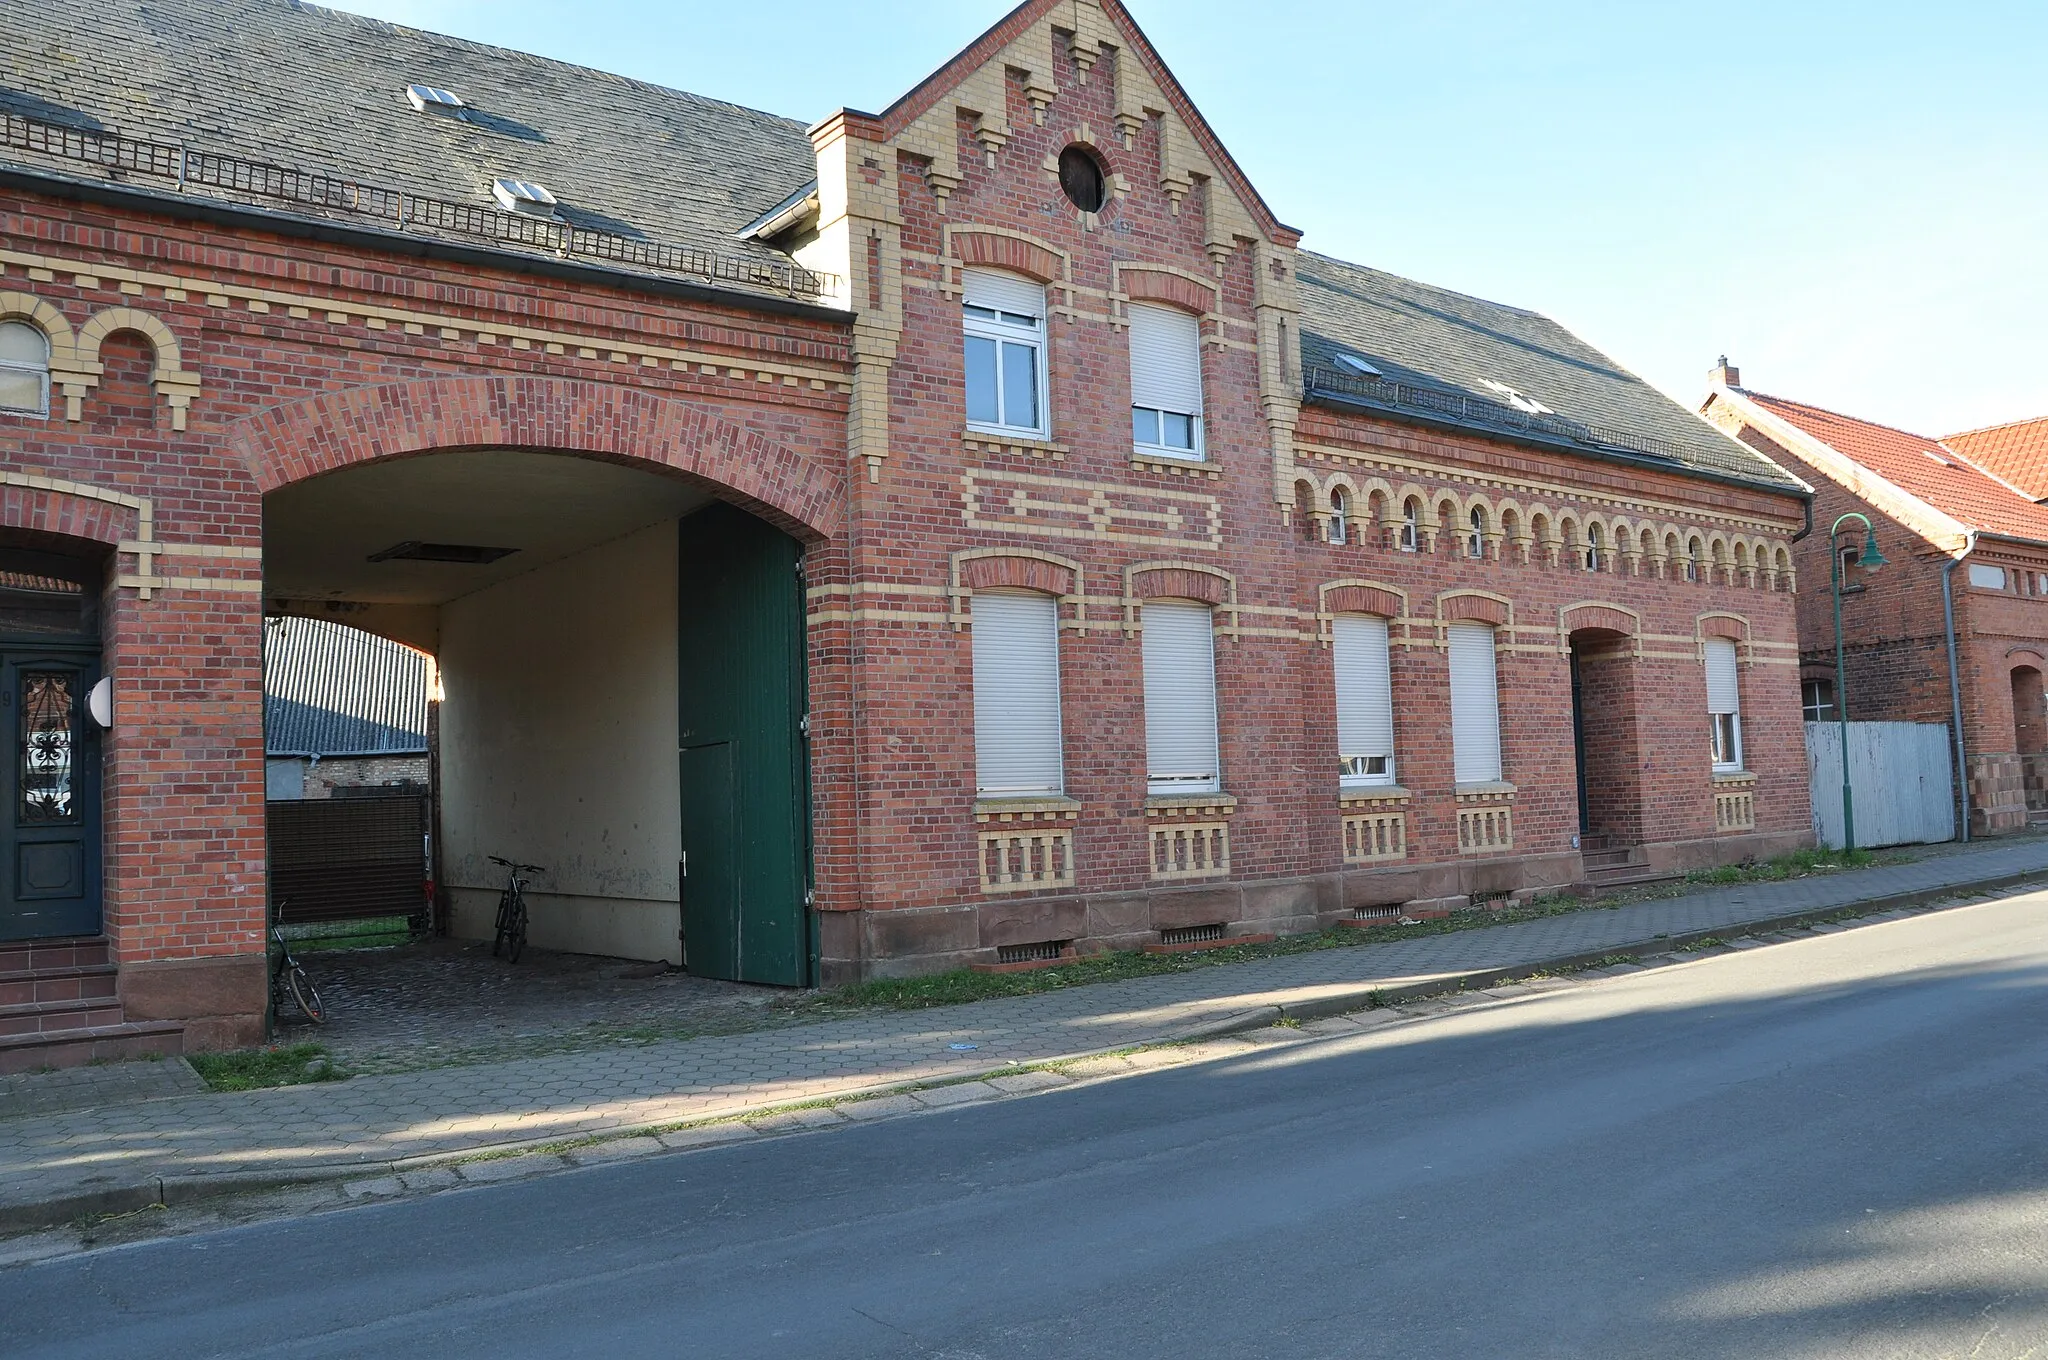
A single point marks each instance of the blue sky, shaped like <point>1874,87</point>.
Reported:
<point>1849,198</point>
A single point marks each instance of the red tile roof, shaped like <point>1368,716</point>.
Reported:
<point>2016,451</point>
<point>1921,467</point>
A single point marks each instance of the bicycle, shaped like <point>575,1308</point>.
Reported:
<point>289,980</point>
<point>511,935</point>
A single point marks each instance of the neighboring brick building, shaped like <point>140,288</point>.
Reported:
<point>1947,523</point>
<point>1276,576</point>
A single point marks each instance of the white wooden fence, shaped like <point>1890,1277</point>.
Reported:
<point>1901,776</point>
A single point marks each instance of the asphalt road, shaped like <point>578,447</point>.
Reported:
<point>1827,1148</point>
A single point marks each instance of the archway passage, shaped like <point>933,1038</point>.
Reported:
<point>1607,744</point>
<point>590,620</point>
<point>2030,736</point>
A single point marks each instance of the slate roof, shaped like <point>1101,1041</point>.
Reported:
<point>317,90</point>
<point>2016,451</point>
<point>1437,349</point>
<point>330,690</point>
<point>1921,467</point>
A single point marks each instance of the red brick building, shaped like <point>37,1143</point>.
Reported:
<point>957,534</point>
<point>1964,544</point>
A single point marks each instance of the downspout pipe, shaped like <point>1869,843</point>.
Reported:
<point>1955,684</point>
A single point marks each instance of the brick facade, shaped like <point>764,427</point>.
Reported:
<point>1895,641</point>
<point>200,365</point>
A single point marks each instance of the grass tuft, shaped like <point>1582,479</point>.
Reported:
<point>1798,864</point>
<point>253,1068</point>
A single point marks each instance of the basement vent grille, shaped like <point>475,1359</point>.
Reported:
<point>1031,953</point>
<point>1375,913</point>
<point>1191,934</point>
<point>412,550</point>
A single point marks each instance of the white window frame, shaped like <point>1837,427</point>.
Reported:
<point>1475,706</point>
<point>983,319</point>
<point>1016,647</point>
<point>1340,510</point>
<point>1361,669</point>
<point>1724,705</point>
<point>39,371</point>
<point>1983,577</point>
<point>1475,539</point>
<point>1411,526</point>
<point>1177,701</point>
<point>1142,314</point>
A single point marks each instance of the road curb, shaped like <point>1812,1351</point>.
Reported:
<point>190,1189</point>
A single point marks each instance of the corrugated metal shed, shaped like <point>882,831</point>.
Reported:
<point>331,690</point>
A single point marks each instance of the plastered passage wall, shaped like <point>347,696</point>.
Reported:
<point>558,746</point>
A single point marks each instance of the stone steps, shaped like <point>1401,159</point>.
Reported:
<point>60,1006</point>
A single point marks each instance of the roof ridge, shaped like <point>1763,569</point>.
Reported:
<point>1840,415</point>
<point>495,49</point>
<point>1432,287</point>
<point>1996,425</point>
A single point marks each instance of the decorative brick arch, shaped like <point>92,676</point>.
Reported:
<point>167,374</point>
<point>1598,614</point>
<point>291,443</point>
<point>1163,283</point>
<point>999,248</point>
<point>1475,606</point>
<point>1733,627</point>
<point>1362,597</point>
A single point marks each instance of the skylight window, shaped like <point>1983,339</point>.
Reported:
<point>1358,365</point>
<point>1519,400</point>
<point>1937,457</point>
<point>431,99</point>
<point>523,196</point>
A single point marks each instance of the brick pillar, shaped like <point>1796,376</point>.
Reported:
<point>185,879</point>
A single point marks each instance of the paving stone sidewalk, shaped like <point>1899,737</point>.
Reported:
<point>357,1126</point>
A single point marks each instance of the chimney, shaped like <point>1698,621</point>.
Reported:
<point>1724,374</point>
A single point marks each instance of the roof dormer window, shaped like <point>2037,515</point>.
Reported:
<point>1357,365</point>
<point>523,196</point>
<point>1521,401</point>
<point>433,99</point>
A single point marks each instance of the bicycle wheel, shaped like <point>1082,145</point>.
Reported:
<point>307,999</point>
<point>504,924</point>
<point>516,938</point>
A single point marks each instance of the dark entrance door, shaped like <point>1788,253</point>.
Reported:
<point>745,784</point>
<point>50,831</point>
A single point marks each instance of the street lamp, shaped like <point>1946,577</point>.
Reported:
<point>1871,560</point>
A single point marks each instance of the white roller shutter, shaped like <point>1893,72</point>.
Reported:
<point>1365,701</point>
<point>1724,694</point>
<point>1166,360</point>
<point>1475,705</point>
<point>1016,695</point>
<point>1180,698</point>
<point>1003,292</point>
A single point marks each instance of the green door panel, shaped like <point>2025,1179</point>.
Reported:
<point>746,820</point>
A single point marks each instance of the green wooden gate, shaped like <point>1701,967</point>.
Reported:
<point>745,786</point>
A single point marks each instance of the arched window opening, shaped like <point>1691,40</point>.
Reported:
<point>24,369</point>
<point>1340,509</point>
<point>1411,526</point>
<point>1595,540</point>
<point>1475,541</point>
<point>1693,563</point>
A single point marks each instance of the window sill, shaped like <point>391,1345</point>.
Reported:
<point>1021,444</point>
<point>1359,794</point>
<point>1734,776</point>
<point>1488,791</point>
<point>1189,804</point>
<point>1176,467</point>
<point>1034,807</point>
<point>1007,434</point>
